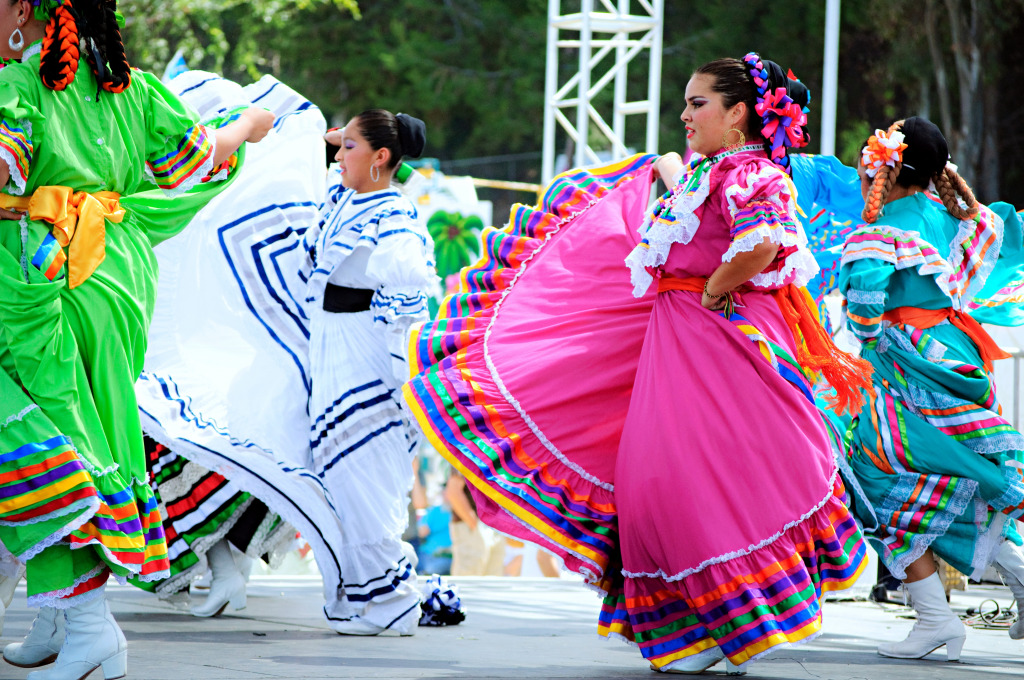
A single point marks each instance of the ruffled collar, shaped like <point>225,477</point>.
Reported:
<point>32,50</point>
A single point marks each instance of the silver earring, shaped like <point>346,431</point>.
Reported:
<point>17,40</point>
<point>377,178</point>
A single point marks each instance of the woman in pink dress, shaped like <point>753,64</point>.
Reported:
<point>662,437</point>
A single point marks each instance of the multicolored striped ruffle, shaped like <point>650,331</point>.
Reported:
<point>749,605</point>
<point>529,491</point>
<point>129,529</point>
<point>16,150</point>
<point>42,481</point>
<point>185,163</point>
<point>50,496</point>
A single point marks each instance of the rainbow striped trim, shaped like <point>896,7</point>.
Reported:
<point>47,480</point>
<point>49,258</point>
<point>776,355</point>
<point>16,149</point>
<point>43,480</point>
<point>747,606</point>
<point>186,164</point>
<point>520,485</point>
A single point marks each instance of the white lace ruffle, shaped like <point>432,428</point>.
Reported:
<point>660,237</point>
<point>59,599</point>
<point>17,417</point>
<point>729,556</point>
<point>182,483</point>
<point>801,263</point>
<point>866,297</point>
<point>16,183</point>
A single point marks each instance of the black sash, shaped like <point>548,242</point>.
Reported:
<point>343,300</point>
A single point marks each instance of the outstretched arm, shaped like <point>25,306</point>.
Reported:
<point>252,126</point>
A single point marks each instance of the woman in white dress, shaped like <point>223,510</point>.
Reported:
<point>372,272</point>
<point>285,379</point>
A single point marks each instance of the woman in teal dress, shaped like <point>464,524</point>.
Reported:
<point>97,160</point>
<point>939,466</point>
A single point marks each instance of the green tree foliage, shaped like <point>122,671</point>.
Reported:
<point>226,36</point>
<point>474,69</point>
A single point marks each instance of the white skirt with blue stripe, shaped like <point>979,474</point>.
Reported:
<point>297,407</point>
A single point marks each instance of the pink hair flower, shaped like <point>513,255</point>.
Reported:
<point>782,118</point>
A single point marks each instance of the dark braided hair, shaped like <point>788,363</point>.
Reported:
<point>94,22</point>
<point>119,71</point>
<point>58,61</point>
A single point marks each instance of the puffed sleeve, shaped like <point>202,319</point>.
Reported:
<point>403,262</point>
<point>179,149</point>
<point>761,202</point>
<point>20,133</point>
<point>863,279</point>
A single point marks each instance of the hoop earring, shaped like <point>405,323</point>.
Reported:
<point>17,40</point>
<point>726,144</point>
<point>377,178</point>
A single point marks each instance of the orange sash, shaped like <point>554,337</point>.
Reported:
<point>926,318</point>
<point>816,352</point>
<point>79,223</point>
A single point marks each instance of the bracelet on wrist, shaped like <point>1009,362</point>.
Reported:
<point>710,294</point>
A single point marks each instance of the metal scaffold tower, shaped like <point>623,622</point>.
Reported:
<point>609,32</point>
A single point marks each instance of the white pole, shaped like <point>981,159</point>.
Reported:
<point>618,114</point>
<point>654,80</point>
<point>830,78</point>
<point>583,100</point>
<point>550,87</point>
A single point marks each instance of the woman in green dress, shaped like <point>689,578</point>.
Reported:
<point>100,163</point>
<point>942,471</point>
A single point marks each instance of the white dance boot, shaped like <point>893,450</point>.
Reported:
<point>43,642</point>
<point>227,586</point>
<point>694,665</point>
<point>1010,565</point>
<point>94,640</point>
<point>936,625</point>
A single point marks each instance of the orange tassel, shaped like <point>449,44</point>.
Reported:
<point>816,352</point>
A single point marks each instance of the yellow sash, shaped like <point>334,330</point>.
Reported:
<point>79,223</point>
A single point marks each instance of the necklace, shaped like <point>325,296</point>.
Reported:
<point>733,150</point>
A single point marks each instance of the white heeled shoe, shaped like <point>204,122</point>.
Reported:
<point>93,640</point>
<point>693,665</point>
<point>1010,565</point>
<point>936,624</point>
<point>227,586</point>
<point>356,626</point>
<point>43,642</point>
